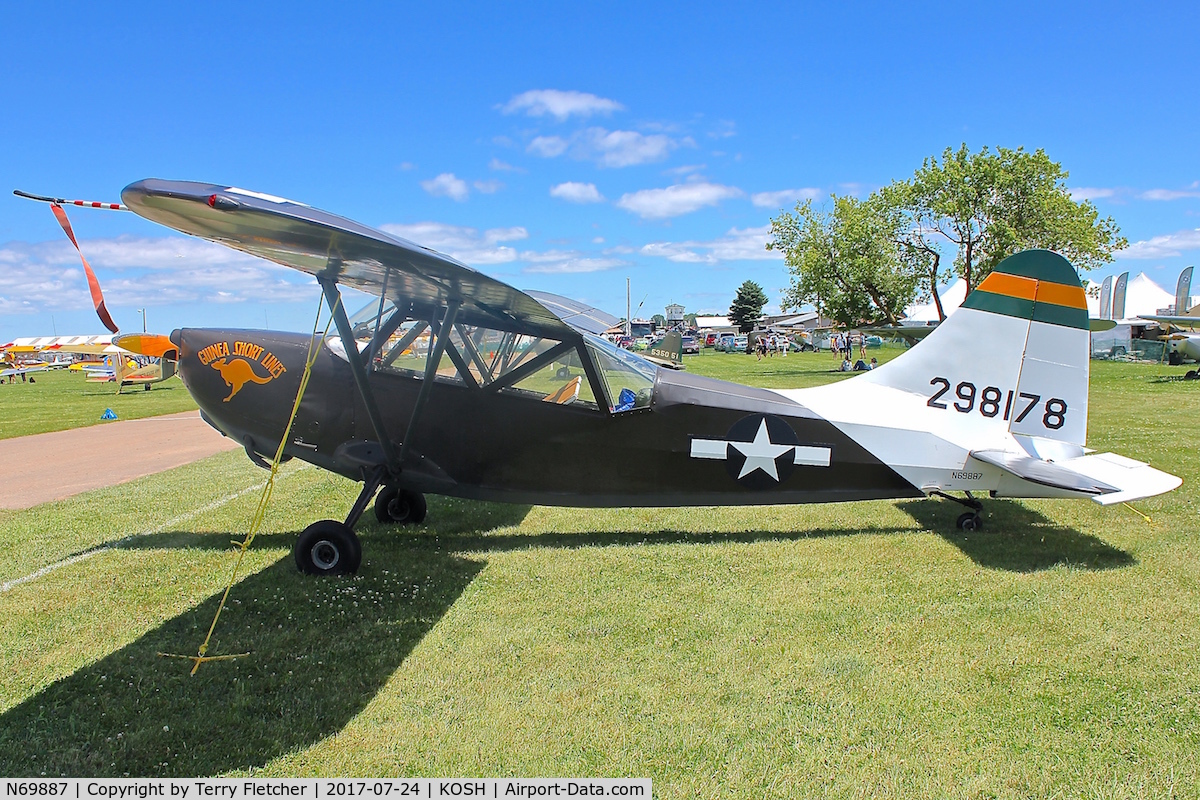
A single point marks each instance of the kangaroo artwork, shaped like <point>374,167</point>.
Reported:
<point>237,369</point>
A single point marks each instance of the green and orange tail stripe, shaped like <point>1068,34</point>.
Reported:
<point>1036,285</point>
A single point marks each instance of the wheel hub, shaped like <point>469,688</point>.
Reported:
<point>325,554</point>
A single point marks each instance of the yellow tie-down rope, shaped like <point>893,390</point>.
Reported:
<point>264,499</point>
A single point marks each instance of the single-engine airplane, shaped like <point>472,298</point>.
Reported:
<point>993,402</point>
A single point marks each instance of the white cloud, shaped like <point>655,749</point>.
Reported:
<point>783,197</point>
<point>574,192</point>
<point>576,264</point>
<point>739,244</point>
<point>141,272</point>
<point>501,166</point>
<point>685,169</point>
<point>673,201</point>
<point>468,245</point>
<point>548,146</point>
<point>488,187</point>
<point>447,185</point>
<point>724,129</point>
<point>624,148</point>
<point>1090,193</point>
<point>606,148</point>
<point>1167,194</point>
<point>560,104</point>
<point>1168,246</point>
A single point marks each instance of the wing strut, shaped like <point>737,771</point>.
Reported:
<point>334,300</point>
<point>442,336</point>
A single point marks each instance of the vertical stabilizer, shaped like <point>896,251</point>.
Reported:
<point>668,351</point>
<point>1014,355</point>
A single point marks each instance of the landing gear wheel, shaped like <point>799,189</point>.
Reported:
<point>970,521</point>
<point>563,373</point>
<point>1191,375</point>
<point>398,506</point>
<point>328,547</point>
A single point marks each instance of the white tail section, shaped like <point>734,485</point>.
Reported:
<point>1015,355</point>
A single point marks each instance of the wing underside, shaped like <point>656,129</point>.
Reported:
<point>327,246</point>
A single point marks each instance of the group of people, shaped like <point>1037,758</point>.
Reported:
<point>857,365</point>
<point>769,344</point>
<point>843,343</point>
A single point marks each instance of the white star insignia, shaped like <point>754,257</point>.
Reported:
<point>761,453</point>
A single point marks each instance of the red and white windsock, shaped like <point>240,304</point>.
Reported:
<point>56,205</point>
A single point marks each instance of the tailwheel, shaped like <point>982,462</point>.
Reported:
<point>328,547</point>
<point>970,521</point>
<point>396,506</point>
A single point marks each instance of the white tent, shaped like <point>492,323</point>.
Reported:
<point>951,297</point>
<point>1144,296</point>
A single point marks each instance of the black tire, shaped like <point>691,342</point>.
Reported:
<point>400,507</point>
<point>563,373</point>
<point>1191,375</point>
<point>328,547</point>
<point>969,521</point>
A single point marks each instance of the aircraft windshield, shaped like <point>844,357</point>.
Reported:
<point>628,378</point>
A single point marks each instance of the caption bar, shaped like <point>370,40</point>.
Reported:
<point>315,789</point>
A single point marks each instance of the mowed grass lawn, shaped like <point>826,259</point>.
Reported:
<point>864,650</point>
<point>59,400</point>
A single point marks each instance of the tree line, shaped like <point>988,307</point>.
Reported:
<point>865,260</point>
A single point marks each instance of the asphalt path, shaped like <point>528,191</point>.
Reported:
<point>52,466</point>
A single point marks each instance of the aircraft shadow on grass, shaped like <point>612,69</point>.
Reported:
<point>319,652</point>
<point>1017,538</point>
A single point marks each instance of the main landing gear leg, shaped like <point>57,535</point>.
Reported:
<point>971,520</point>
<point>330,547</point>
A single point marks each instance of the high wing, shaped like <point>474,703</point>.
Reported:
<point>335,248</point>
<point>914,331</point>
<point>579,316</point>
<point>1186,321</point>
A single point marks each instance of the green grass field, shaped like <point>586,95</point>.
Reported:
<point>60,400</point>
<point>860,650</point>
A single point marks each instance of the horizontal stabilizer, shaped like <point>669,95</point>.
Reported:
<point>1110,478</point>
<point>1046,473</point>
<point>1133,479</point>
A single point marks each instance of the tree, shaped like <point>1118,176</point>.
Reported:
<point>991,205</point>
<point>849,262</point>
<point>659,320</point>
<point>747,306</point>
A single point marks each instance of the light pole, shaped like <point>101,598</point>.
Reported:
<point>142,311</point>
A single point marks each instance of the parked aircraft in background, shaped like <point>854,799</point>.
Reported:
<point>1181,346</point>
<point>114,364</point>
<point>486,412</point>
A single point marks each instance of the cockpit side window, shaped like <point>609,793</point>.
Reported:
<point>628,379</point>
<point>517,364</point>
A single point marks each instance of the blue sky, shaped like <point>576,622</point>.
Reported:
<point>558,146</point>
